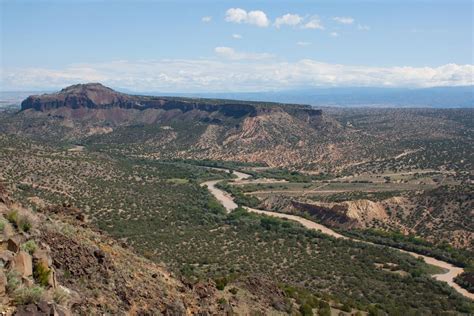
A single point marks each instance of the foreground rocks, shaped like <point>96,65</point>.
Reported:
<point>62,266</point>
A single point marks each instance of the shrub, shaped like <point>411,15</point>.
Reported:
<point>12,216</point>
<point>221,283</point>
<point>27,295</point>
<point>29,246</point>
<point>24,224</point>
<point>21,222</point>
<point>346,308</point>
<point>326,311</point>
<point>41,273</point>
<point>306,310</point>
<point>2,225</point>
<point>234,290</point>
<point>60,296</point>
<point>13,281</point>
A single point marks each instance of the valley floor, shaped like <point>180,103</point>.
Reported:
<point>228,202</point>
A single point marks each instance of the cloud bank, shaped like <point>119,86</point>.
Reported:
<point>233,71</point>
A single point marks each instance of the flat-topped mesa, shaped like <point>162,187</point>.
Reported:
<point>97,96</point>
<point>91,95</point>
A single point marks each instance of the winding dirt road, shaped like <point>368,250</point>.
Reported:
<point>228,202</point>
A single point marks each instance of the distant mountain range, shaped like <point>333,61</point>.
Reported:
<point>437,97</point>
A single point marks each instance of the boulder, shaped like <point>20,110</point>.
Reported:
<point>28,310</point>
<point>13,243</point>
<point>6,256</point>
<point>61,311</point>
<point>23,263</point>
<point>28,282</point>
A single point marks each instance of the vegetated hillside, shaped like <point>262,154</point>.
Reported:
<point>54,262</point>
<point>441,215</point>
<point>275,134</point>
<point>159,209</point>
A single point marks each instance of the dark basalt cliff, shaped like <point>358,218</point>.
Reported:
<point>97,96</point>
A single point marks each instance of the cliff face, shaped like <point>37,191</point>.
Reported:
<point>186,128</point>
<point>97,96</point>
<point>92,95</point>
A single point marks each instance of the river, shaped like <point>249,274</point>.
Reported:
<point>228,202</point>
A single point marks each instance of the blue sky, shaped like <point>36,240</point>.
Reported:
<point>180,46</point>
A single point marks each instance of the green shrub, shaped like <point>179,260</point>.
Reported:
<point>346,308</point>
<point>24,224</point>
<point>326,311</point>
<point>21,222</point>
<point>30,246</point>
<point>13,281</point>
<point>306,310</point>
<point>234,290</point>
<point>221,283</point>
<point>41,273</point>
<point>2,225</point>
<point>12,216</point>
<point>27,295</point>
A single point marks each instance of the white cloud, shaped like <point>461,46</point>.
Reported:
<point>301,43</point>
<point>343,19</point>
<point>238,15</point>
<point>237,36</point>
<point>230,53</point>
<point>361,27</point>
<point>313,24</point>
<point>206,19</point>
<point>334,34</point>
<point>288,19</point>
<point>192,75</point>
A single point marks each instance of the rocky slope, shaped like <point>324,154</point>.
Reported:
<point>272,133</point>
<point>53,262</point>
<point>275,134</point>
<point>440,215</point>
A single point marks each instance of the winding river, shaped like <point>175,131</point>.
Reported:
<point>228,202</point>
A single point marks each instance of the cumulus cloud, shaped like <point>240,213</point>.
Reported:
<point>313,24</point>
<point>230,53</point>
<point>232,74</point>
<point>237,36</point>
<point>288,19</point>
<point>302,43</point>
<point>343,19</point>
<point>238,15</point>
<point>206,19</point>
<point>334,34</point>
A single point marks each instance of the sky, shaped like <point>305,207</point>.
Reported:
<point>235,46</point>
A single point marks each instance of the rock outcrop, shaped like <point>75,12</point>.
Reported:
<point>348,214</point>
<point>63,266</point>
<point>96,96</point>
